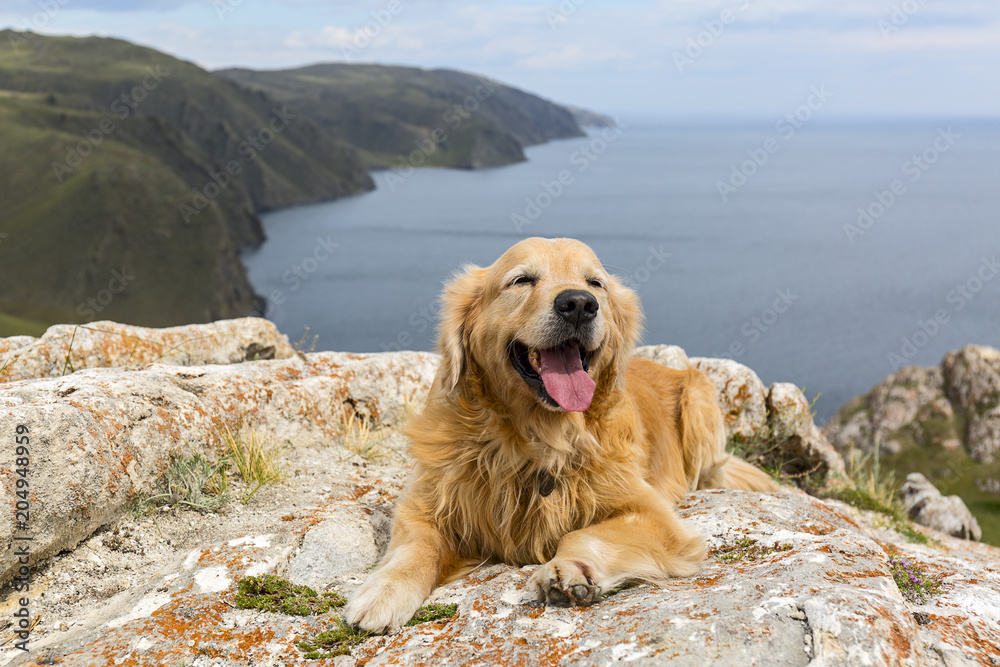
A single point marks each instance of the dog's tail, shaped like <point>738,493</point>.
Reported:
<point>704,433</point>
<point>731,472</point>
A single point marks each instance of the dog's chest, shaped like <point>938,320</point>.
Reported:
<point>518,516</point>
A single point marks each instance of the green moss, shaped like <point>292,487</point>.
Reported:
<point>336,641</point>
<point>277,595</point>
<point>340,639</point>
<point>433,612</point>
<point>747,548</point>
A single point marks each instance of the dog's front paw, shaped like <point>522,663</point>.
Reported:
<point>564,583</point>
<point>382,604</point>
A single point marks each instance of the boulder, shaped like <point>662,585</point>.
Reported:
<point>99,437</point>
<point>742,396</point>
<point>954,405</point>
<point>65,348</point>
<point>925,505</point>
<point>792,429</point>
<point>670,356</point>
<point>789,579</point>
<point>972,376</point>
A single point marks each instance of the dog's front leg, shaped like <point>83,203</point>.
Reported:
<point>403,580</point>
<point>648,544</point>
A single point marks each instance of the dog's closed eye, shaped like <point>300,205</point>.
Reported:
<point>523,280</point>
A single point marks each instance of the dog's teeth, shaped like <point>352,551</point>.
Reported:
<point>535,359</point>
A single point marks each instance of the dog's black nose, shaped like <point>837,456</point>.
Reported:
<point>576,306</point>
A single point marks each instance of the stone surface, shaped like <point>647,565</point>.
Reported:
<point>817,590</point>
<point>670,356</point>
<point>742,396</point>
<point>790,579</point>
<point>790,421</point>
<point>925,505</point>
<point>346,543</point>
<point>64,348</point>
<point>98,437</point>
<point>972,375</point>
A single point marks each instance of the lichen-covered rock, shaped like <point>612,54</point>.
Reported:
<point>742,396</point>
<point>789,580</point>
<point>790,421</point>
<point>98,437</point>
<point>925,505</point>
<point>776,420</point>
<point>670,356</point>
<point>949,406</point>
<point>972,375</point>
<point>65,348</point>
<point>943,422</point>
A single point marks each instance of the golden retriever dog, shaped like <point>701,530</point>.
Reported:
<point>544,441</point>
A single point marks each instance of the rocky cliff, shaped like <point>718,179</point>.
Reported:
<point>123,568</point>
<point>942,422</point>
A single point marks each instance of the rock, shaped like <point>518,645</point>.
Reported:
<point>790,421</point>
<point>98,437</point>
<point>972,375</point>
<point>925,505</point>
<point>344,544</point>
<point>742,396</point>
<point>65,348</point>
<point>670,356</point>
<point>790,580</point>
<point>928,406</point>
<point>943,422</point>
<point>775,420</point>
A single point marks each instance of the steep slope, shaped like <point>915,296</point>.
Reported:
<point>123,159</point>
<point>452,118</point>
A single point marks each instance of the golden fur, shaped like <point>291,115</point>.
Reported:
<point>486,448</point>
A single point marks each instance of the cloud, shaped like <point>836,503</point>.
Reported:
<point>30,6</point>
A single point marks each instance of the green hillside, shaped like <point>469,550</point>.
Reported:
<point>131,179</point>
<point>390,112</point>
<point>111,151</point>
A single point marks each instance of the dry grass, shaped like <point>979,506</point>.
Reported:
<point>358,437</point>
<point>254,456</point>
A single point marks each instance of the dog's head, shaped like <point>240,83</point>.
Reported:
<point>545,324</point>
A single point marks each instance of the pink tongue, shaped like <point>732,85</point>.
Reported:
<point>565,380</point>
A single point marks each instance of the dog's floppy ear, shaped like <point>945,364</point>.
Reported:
<point>626,314</point>
<point>458,308</point>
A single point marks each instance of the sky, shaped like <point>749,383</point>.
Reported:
<point>679,58</point>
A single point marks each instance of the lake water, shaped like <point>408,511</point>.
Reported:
<point>763,270</point>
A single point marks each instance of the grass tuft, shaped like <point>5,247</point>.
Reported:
<point>358,437</point>
<point>274,594</point>
<point>872,488</point>
<point>192,481</point>
<point>255,458</point>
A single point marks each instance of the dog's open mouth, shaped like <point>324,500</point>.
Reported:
<point>558,374</point>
